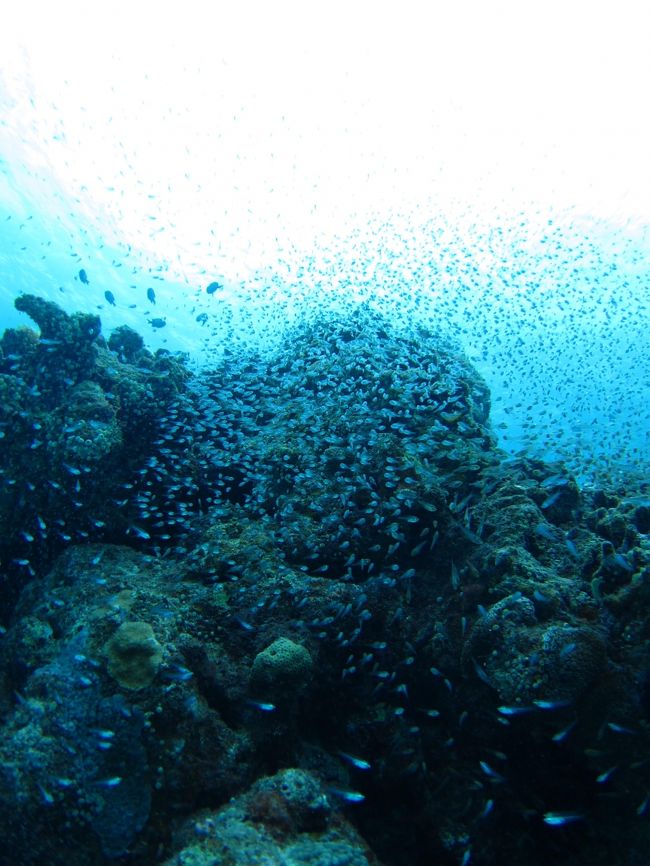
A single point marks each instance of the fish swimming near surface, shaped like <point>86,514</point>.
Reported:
<point>110,297</point>
<point>83,276</point>
<point>151,295</point>
<point>212,288</point>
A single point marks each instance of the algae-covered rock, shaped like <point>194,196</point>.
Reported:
<point>16,342</point>
<point>56,324</point>
<point>282,820</point>
<point>88,427</point>
<point>134,655</point>
<point>126,342</point>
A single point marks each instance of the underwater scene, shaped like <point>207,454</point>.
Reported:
<point>324,435</point>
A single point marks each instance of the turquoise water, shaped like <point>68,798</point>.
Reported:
<point>552,308</point>
<point>493,202</point>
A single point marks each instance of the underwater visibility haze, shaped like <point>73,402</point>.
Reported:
<point>324,419</point>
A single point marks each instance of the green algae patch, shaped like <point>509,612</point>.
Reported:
<point>134,655</point>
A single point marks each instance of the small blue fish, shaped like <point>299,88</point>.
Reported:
<point>554,481</point>
<point>489,771</point>
<point>546,532</point>
<point>151,295</point>
<point>551,705</point>
<point>433,714</point>
<point>515,711</point>
<point>480,673</point>
<point>348,796</point>
<point>264,706</point>
<point>138,531</point>
<point>567,649</point>
<point>242,623</point>
<point>48,799</point>
<point>560,819</point>
<point>570,546</point>
<point>213,287</point>
<point>489,805</point>
<point>359,763</point>
<point>622,562</point>
<point>551,500</point>
<point>111,782</point>
<point>71,469</point>
<point>564,733</point>
<point>103,733</point>
<point>606,775</point>
<point>178,674</point>
<point>83,276</point>
<point>110,297</point>
<point>619,729</point>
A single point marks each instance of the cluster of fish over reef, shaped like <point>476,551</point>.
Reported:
<point>300,609</point>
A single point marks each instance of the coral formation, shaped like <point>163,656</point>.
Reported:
<point>283,665</point>
<point>299,608</point>
<point>134,655</point>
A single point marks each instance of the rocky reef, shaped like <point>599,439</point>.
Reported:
<point>300,609</point>
<point>77,417</point>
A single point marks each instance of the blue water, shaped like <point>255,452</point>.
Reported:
<point>551,307</point>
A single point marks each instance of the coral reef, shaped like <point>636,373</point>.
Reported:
<point>134,655</point>
<point>299,608</point>
<point>283,820</point>
<point>76,423</point>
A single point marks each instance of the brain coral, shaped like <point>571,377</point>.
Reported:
<point>282,664</point>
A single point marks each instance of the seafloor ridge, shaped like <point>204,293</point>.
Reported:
<point>299,609</point>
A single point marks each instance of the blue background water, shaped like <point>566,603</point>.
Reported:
<point>307,163</point>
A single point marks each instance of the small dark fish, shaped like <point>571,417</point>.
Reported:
<point>110,297</point>
<point>202,318</point>
<point>212,288</point>
<point>83,276</point>
<point>151,295</point>
<point>157,323</point>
